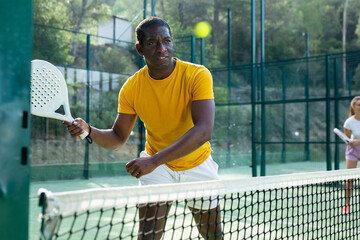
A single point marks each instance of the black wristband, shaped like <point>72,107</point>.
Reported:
<point>88,138</point>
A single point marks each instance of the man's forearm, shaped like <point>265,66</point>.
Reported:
<point>189,142</point>
<point>107,138</point>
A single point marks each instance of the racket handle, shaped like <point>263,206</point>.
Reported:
<point>84,134</point>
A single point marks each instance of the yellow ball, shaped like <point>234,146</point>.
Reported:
<point>202,29</point>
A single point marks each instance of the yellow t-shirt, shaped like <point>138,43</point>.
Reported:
<point>165,107</point>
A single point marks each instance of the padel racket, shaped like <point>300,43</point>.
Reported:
<point>342,135</point>
<point>49,92</point>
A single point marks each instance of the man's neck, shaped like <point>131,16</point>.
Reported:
<point>160,74</point>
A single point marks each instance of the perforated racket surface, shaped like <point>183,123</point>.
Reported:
<point>341,135</point>
<point>49,92</point>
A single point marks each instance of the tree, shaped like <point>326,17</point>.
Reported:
<point>50,43</point>
<point>330,24</point>
<point>85,12</point>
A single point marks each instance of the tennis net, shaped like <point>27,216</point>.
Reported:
<point>293,206</point>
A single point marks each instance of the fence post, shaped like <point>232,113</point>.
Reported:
<point>327,84</point>
<point>336,106</point>
<point>283,153</point>
<point>263,122</point>
<point>307,114</point>
<point>193,43</point>
<point>253,91</point>
<point>141,127</point>
<point>202,53</point>
<point>350,82</point>
<point>86,157</point>
<point>152,7</point>
<point>228,155</point>
<point>145,8</point>
<point>263,109</point>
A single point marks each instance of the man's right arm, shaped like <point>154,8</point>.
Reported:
<point>113,138</point>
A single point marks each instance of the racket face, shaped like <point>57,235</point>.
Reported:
<point>341,135</point>
<point>48,91</point>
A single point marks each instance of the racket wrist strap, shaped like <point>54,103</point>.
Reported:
<point>88,138</point>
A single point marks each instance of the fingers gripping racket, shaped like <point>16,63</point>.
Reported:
<point>49,92</point>
<point>341,135</point>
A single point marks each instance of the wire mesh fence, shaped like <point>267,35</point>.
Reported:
<point>296,104</point>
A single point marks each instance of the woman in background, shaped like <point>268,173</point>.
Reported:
<point>352,154</point>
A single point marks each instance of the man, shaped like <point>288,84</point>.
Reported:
<point>175,101</point>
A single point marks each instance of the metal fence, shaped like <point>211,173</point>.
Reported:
<point>271,113</point>
<point>296,105</point>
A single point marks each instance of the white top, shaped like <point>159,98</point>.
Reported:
<point>354,125</point>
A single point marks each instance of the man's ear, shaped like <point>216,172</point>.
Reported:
<point>138,48</point>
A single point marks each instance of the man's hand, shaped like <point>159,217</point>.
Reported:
<point>77,127</point>
<point>140,166</point>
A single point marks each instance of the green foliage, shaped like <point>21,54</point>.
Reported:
<point>127,9</point>
<point>221,94</point>
<point>58,46</point>
<point>285,21</point>
<point>356,78</point>
<point>51,44</point>
<point>106,109</point>
<point>50,12</point>
<point>358,34</point>
<point>115,59</point>
<point>85,14</point>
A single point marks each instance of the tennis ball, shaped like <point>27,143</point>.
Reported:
<point>202,29</point>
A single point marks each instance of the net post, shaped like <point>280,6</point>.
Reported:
<point>43,205</point>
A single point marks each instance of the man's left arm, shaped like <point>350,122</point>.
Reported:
<point>203,114</point>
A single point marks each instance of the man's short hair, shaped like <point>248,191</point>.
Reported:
<point>148,23</point>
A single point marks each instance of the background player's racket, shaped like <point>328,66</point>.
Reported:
<point>342,135</point>
<point>49,92</point>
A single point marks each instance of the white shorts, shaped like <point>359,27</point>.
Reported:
<point>208,170</point>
